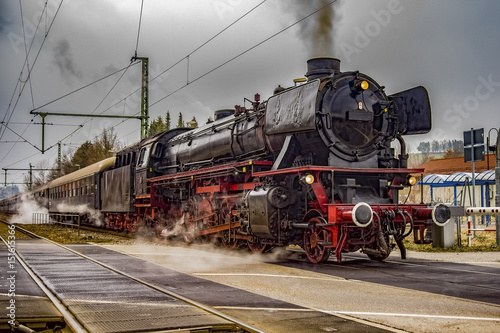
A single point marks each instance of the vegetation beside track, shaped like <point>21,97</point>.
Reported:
<point>4,232</point>
<point>64,234</point>
<point>485,241</point>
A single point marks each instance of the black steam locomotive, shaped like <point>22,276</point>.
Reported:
<point>312,166</point>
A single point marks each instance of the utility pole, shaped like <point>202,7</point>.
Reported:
<point>45,114</point>
<point>474,152</point>
<point>144,95</point>
<point>144,117</point>
<point>30,185</point>
<point>497,186</point>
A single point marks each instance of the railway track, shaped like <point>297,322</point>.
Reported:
<point>284,294</point>
<point>52,266</point>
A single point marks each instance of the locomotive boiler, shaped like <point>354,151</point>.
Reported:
<point>312,166</point>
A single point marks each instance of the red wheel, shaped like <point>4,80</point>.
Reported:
<point>258,247</point>
<point>315,240</point>
<point>228,240</point>
<point>205,210</point>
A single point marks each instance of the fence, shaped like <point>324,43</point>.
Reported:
<point>63,219</point>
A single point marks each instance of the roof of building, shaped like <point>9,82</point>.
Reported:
<point>452,165</point>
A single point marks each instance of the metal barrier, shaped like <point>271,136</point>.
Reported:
<point>43,218</point>
<point>482,211</point>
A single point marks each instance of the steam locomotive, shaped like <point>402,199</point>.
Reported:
<point>311,166</point>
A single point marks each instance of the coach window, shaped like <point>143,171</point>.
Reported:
<point>92,191</point>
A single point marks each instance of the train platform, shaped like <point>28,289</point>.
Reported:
<point>104,301</point>
<point>21,299</point>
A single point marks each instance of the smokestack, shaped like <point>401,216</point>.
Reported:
<point>321,67</point>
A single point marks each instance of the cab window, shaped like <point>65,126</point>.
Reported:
<point>142,162</point>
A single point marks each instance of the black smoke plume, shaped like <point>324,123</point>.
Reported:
<point>318,31</point>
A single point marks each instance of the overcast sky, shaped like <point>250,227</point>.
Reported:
<point>449,46</point>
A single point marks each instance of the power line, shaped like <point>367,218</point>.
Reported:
<point>139,29</point>
<point>24,85</point>
<point>226,62</point>
<point>26,49</point>
<point>244,52</point>
<point>187,56</point>
<point>85,86</point>
<point>34,62</point>
<point>19,80</point>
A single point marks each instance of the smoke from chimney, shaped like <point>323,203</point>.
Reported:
<point>318,31</point>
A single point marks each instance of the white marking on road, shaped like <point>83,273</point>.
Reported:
<point>410,315</point>
<point>263,309</point>
<point>433,266</point>
<point>274,275</point>
<point>353,313</point>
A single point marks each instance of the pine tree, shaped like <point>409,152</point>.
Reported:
<point>180,122</point>
<point>156,126</point>
<point>167,121</point>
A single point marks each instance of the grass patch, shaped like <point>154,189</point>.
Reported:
<point>4,232</point>
<point>485,241</point>
<point>67,235</point>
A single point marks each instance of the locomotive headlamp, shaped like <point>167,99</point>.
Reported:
<point>412,180</point>
<point>307,179</point>
<point>360,86</point>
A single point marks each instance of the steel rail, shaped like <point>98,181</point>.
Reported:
<point>70,320</point>
<point>152,286</point>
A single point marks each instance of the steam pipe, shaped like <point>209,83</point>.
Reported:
<point>403,156</point>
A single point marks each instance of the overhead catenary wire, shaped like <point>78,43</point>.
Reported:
<point>8,116</point>
<point>139,28</point>
<point>92,83</point>
<point>26,51</point>
<point>244,52</point>
<point>33,64</point>
<point>85,86</point>
<point>20,80</point>
<point>186,57</point>
<point>226,62</point>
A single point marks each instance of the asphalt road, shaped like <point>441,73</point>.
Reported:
<point>418,295</point>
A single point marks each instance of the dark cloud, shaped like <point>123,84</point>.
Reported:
<point>5,18</point>
<point>63,58</point>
